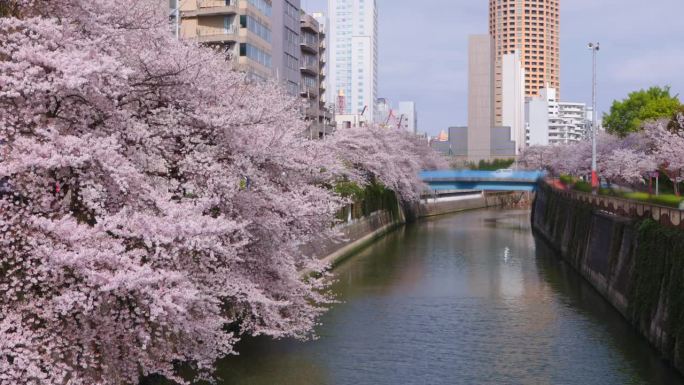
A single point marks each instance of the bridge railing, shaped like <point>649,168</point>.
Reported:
<point>668,216</point>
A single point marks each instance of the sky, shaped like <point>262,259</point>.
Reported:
<point>423,51</point>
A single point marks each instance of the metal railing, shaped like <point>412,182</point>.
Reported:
<point>311,44</point>
<point>665,215</point>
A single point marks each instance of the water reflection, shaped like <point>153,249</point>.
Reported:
<point>463,299</point>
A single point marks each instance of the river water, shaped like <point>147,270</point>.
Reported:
<point>469,298</point>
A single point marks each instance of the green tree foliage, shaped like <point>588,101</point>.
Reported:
<point>496,164</point>
<point>629,114</point>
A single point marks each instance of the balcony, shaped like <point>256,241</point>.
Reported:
<point>309,45</point>
<point>213,8</point>
<point>308,91</point>
<point>308,68</point>
<point>217,35</point>
<point>309,23</point>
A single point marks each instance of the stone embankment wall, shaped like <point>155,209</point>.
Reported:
<point>356,235</point>
<point>636,263</point>
<point>506,200</point>
<point>361,232</point>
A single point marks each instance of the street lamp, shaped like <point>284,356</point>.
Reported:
<point>594,175</point>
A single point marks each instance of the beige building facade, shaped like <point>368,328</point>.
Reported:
<point>531,29</point>
<point>242,28</point>
<point>480,96</point>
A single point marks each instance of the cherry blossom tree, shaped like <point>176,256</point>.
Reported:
<point>667,148</point>
<point>154,201</point>
<point>627,165</point>
<point>536,157</point>
<point>157,200</point>
<point>390,156</point>
<point>630,159</point>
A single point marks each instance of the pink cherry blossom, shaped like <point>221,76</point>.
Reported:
<point>154,201</point>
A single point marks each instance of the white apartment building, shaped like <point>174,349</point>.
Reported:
<point>353,50</point>
<point>550,121</point>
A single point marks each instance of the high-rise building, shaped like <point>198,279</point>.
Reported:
<point>353,50</point>
<point>486,139</point>
<point>480,96</point>
<point>532,29</point>
<point>242,28</point>
<point>285,23</point>
<point>408,117</point>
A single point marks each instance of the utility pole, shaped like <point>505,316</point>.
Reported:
<point>178,22</point>
<point>176,16</point>
<point>594,123</point>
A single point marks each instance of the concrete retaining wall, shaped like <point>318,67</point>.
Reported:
<point>356,235</point>
<point>430,208</point>
<point>362,232</point>
<point>637,265</point>
<point>442,206</point>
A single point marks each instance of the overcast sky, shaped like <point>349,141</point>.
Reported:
<point>423,51</point>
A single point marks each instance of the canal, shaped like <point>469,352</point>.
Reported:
<point>469,298</point>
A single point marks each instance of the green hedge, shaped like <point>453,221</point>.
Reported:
<point>583,186</point>
<point>670,200</point>
<point>567,180</point>
<point>496,164</point>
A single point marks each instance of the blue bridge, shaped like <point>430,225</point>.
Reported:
<point>501,180</point>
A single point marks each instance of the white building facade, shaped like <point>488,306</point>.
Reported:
<point>382,113</point>
<point>353,55</point>
<point>550,121</point>
<point>408,117</point>
<point>513,98</point>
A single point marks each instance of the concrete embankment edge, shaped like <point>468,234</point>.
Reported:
<point>364,232</point>
<point>356,246</point>
<point>637,266</point>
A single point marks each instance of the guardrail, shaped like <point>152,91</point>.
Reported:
<point>668,216</point>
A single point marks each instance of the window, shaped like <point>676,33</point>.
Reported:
<point>309,81</point>
<point>291,11</point>
<point>228,24</point>
<point>256,54</point>
<point>292,87</point>
<point>291,62</point>
<point>291,36</point>
<point>256,27</point>
<point>263,6</point>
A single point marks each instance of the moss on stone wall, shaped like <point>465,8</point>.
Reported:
<point>616,245</point>
<point>658,274</point>
<point>567,222</point>
<point>374,197</point>
<point>645,265</point>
